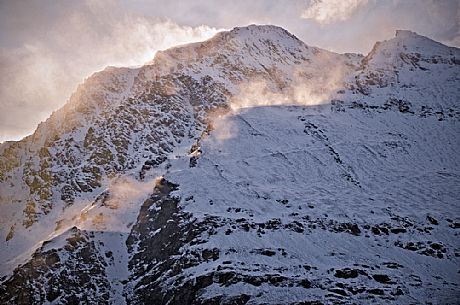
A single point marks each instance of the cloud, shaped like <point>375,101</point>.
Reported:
<point>38,76</point>
<point>331,11</point>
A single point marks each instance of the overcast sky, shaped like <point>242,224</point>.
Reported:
<point>48,47</point>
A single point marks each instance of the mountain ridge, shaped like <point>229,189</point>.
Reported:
<point>124,128</point>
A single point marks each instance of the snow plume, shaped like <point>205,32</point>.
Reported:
<point>38,76</point>
<point>223,128</point>
<point>331,11</point>
<point>310,84</point>
<point>125,189</point>
<point>118,210</point>
<point>314,83</point>
<point>114,210</point>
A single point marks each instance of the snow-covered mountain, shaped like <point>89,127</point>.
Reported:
<point>248,168</point>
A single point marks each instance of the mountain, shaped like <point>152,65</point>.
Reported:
<point>248,168</point>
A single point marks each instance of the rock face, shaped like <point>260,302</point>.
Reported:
<point>249,168</point>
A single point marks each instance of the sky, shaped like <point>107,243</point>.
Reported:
<point>48,47</point>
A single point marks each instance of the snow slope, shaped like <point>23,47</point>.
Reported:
<point>302,194</point>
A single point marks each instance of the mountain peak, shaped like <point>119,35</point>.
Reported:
<point>405,34</point>
<point>410,40</point>
<point>392,52</point>
<point>260,29</point>
<point>252,45</point>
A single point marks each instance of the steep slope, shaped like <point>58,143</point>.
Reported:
<point>299,204</point>
<point>126,121</point>
<point>182,182</point>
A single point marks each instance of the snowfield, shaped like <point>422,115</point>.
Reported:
<point>346,191</point>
